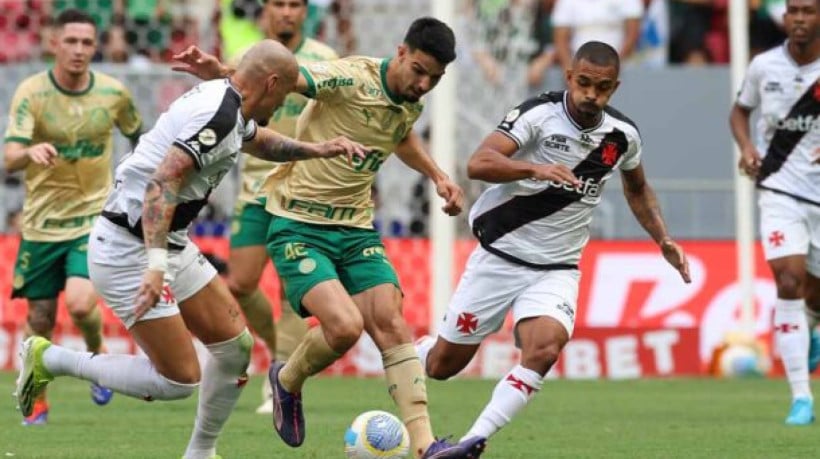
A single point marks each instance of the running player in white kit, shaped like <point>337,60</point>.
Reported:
<point>783,84</point>
<point>549,158</point>
<point>149,272</point>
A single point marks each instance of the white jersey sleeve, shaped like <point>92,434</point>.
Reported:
<point>205,128</point>
<point>522,123</point>
<point>749,95</point>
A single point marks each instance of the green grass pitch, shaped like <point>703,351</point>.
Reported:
<point>679,418</point>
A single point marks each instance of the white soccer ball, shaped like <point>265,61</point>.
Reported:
<point>377,434</point>
<point>740,360</point>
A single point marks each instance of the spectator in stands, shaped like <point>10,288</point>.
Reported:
<point>614,22</point>
<point>766,24</point>
<point>544,56</point>
<point>690,23</point>
<point>316,26</point>
<point>239,26</point>
<point>653,45</point>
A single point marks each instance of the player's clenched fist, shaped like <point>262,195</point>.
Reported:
<point>749,161</point>
<point>555,173</point>
<point>341,146</point>
<point>453,196</point>
<point>43,154</point>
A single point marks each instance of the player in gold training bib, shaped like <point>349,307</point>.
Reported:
<point>329,257</point>
<point>60,133</point>
<point>248,258</point>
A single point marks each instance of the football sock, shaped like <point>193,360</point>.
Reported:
<point>423,346</point>
<point>290,330</point>
<point>310,357</point>
<point>406,384</point>
<point>223,378</point>
<point>510,395</point>
<point>130,375</point>
<point>258,311</point>
<point>90,327</point>
<point>792,337</point>
<point>813,318</point>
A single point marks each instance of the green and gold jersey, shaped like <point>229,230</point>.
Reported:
<point>284,119</point>
<point>351,99</point>
<point>63,200</point>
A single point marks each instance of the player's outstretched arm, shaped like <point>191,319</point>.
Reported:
<point>17,155</point>
<point>272,146</point>
<point>207,67</point>
<point>159,204</point>
<point>412,153</point>
<point>644,204</point>
<point>492,163</point>
<point>749,162</point>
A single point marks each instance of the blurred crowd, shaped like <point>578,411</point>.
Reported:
<point>145,31</point>
<point>517,42</point>
<point>655,32</point>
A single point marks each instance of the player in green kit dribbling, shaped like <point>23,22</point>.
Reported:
<point>329,257</point>
<point>59,133</point>
<point>283,21</point>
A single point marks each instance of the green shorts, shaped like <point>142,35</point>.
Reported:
<point>43,267</point>
<point>306,254</point>
<point>249,226</point>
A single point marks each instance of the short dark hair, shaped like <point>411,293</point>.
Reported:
<point>72,16</point>
<point>598,53</point>
<point>431,36</point>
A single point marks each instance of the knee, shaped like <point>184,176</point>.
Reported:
<point>80,307</point>
<point>789,284</point>
<point>542,356</point>
<point>440,367</point>
<point>241,285</point>
<point>341,335</point>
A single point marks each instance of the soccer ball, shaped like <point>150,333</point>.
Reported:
<point>377,434</point>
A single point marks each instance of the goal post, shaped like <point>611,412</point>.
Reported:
<point>743,187</point>
<point>443,147</point>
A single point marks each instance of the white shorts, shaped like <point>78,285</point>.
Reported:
<point>491,286</point>
<point>117,261</point>
<point>790,227</point>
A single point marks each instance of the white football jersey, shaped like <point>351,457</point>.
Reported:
<point>788,131</point>
<point>207,123</point>
<point>545,224</point>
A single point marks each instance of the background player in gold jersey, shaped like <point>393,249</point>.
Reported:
<point>329,257</point>
<point>60,133</point>
<point>283,20</point>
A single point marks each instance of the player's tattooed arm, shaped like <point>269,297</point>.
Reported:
<point>162,196</point>
<point>272,146</point>
<point>643,202</point>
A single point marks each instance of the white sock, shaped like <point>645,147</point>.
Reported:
<point>510,395</point>
<point>130,375</point>
<point>792,336</point>
<point>223,378</point>
<point>423,346</point>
